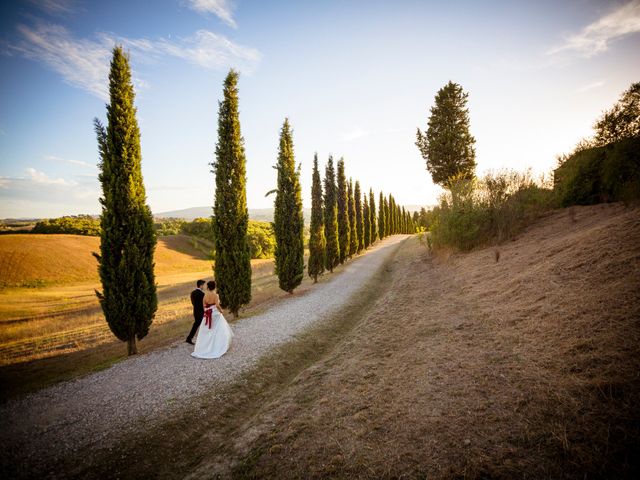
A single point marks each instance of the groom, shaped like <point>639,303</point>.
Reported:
<point>198,309</point>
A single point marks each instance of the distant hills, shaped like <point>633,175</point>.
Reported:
<point>260,214</point>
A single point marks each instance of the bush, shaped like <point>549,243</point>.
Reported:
<point>600,174</point>
<point>262,240</point>
<point>74,225</point>
<point>168,226</point>
<point>477,212</point>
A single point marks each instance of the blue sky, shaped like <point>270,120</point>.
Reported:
<point>355,79</point>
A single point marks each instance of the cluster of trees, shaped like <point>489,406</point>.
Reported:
<point>345,221</point>
<point>73,224</point>
<point>605,167</point>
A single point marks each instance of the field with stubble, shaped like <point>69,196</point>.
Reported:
<point>51,324</point>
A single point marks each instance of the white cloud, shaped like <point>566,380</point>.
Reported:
<point>84,63</point>
<point>71,161</point>
<point>590,86</point>
<point>41,191</point>
<point>595,37</point>
<point>40,178</point>
<point>211,51</point>
<point>55,6</point>
<point>220,8</point>
<point>354,133</point>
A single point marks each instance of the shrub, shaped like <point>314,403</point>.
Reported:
<point>477,212</point>
<point>600,174</point>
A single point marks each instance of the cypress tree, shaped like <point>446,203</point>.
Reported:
<point>393,216</point>
<point>373,234</point>
<point>127,240</point>
<point>367,223</point>
<point>317,242</point>
<point>359,214</point>
<point>387,217</point>
<point>403,216</point>
<point>332,253</point>
<point>447,145</point>
<point>353,228</point>
<point>381,218</point>
<point>231,217</point>
<point>288,223</point>
<point>343,213</point>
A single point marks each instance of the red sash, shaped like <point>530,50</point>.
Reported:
<point>208,310</point>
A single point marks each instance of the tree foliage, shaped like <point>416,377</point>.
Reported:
<point>127,242</point>
<point>343,213</point>
<point>447,145</point>
<point>373,234</point>
<point>288,222</point>
<point>381,218</point>
<point>622,120</point>
<point>359,216</point>
<point>366,220</point>
<point>332,252</point>
<point>353,229</point>
<point>233,265</point>
<point>317,241</point>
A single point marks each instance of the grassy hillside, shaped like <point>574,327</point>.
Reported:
<point>38,260</point>
<point>478,365</point>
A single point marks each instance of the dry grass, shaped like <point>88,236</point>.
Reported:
<point>461,367</point>
<point>41,260</point>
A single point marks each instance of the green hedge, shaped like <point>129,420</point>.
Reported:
<point>600,174</point>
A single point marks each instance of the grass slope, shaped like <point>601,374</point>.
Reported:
<point>39,260</point>
<point>458,366</point>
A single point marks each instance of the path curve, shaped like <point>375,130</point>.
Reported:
<point>94,411</point>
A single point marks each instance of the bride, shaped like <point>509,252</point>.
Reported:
<point>214,335</point>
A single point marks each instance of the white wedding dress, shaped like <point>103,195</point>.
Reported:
<point>214,335</point>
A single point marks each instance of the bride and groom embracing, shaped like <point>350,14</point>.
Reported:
<point>214,336</point>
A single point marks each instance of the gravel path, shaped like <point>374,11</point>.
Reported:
<point>94,411</point>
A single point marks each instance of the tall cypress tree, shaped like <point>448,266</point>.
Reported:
<point>353,229</point>
<point>127,240</point>
<point>359,213</point>
<point>381,218</point>
<point>393,217</point>
<point>288,223</point>
<point>403,217</point>
<point>372,217</point>
<point>343,212</point>
<point>366,220</point>
<point>317,242</point>
<point>230,215</point>
<point>387,217</point>
<point>447,145</point>
<point>332,253</point>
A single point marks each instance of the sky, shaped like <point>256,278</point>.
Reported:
<point>355,78</point>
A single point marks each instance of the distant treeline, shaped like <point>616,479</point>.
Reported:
<point>260,234</point>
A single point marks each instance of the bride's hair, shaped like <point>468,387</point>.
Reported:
<point>211,285</point>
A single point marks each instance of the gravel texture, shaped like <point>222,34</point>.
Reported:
<point>95,411</point>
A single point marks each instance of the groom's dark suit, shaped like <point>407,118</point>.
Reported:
<point>198,311</point>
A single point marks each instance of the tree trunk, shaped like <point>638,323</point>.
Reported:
<point>132,348</point>
<point>235,314</point>
<point>315,279</point>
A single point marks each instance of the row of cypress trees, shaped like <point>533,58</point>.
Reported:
<point>344,221</point>
<point>344,226</point>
